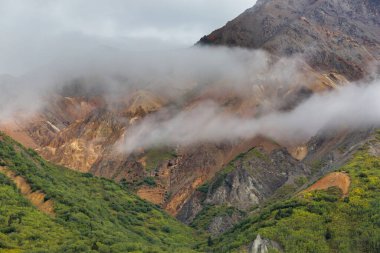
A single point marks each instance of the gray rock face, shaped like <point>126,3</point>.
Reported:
<point>338,35</point>
<point>374,149</point>
<point>221,224</point>
<point>261,245</point>
<point>191,208</point>
<point>255,177</point>
<point>239,189</point>
<point>332,149</point>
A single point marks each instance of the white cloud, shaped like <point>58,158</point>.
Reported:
<point>351,107</point>
<point>33,30</point>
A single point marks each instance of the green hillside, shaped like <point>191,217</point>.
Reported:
<point>97,215</point>
<point>91,214</point>
<point>320,221</point>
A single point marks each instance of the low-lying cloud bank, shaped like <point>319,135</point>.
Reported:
<point>349,107</point>
<point>116,73</point>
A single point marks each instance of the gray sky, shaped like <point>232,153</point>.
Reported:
<point>33,31</point>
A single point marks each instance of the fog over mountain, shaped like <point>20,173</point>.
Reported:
<point>51,46</point>
<point>115,73</point>
<point>345,108</point>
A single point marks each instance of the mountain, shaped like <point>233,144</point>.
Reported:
<point>244,195</point>
<point>79,128</point>
<point>81,133</point>
<point>334,35</point>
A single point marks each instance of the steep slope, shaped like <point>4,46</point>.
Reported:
<point>82,143</point>
<point>334,35</point>
<point>320,220</point>
<point>259,176</point>
<point>90,214</point>
<point>37,130</point>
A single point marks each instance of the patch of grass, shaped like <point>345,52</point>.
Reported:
<point>209,212</point>
<point>155,157</point>
<point>150,181</point>
<point>255,152</point>
<point>300,181</point>
<point>204,187</point>
<point>316,166</point>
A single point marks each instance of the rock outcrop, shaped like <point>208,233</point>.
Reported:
<point>262,245</point>
<point>245,183</point>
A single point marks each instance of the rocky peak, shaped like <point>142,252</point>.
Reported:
<point>343,36</point>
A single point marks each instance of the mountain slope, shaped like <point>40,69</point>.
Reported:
<point>259,176</point>
<point>320,220</point>
<point>334,35</point>
<point>90,214</point>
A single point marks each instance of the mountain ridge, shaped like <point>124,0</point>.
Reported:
<point>326,27</point>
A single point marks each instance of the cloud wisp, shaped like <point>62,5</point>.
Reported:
<point>349,107</point>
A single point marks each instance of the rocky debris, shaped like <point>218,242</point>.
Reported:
<point>262,245</point>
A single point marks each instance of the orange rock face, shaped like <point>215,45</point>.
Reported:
<point>336,179</point>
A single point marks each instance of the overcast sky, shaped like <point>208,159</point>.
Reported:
<point>37,29</point>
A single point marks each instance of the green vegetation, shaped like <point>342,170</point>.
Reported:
<point>204,187</point>
<point>150,181</point>
<point>300,181</point>
<point>209,212</point>
<point>320,221</point>
<point>91,214</point>
<point>316,166</point>
<point>255,153</point>
<point>155,157</point>
<point>98,215</point>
